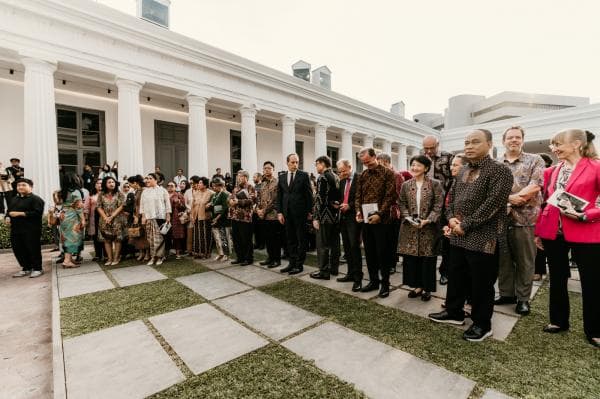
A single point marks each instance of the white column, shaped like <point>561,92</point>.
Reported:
<point>347,152</point>
<point>320,140</point>
<point>197,136</point>
<point>387,147</point>
<point>402,161</point>
<point>249,157</point>
<point>40,138</point>
<point>288,140</point>
<point>368,141</point>
<point>131,161</point>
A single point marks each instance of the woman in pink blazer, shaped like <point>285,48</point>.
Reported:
<point>560,230</point>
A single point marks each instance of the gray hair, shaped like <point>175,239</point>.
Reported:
<point>244,173</point>
<point>384,157</point>
<point>344,162</point>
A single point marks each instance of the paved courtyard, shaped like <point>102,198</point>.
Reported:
<point>229,317</point>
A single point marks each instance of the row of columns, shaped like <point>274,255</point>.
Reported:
<point>41,141</point>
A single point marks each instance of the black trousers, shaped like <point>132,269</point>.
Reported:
<point>350,230</point>
<point>394,237</point>
<point>27,248</point>
<point>241,233</point>
<point>419,272</point>
<point>272,230</point>
<point>328,248</point>
<point>258,230</point>
<point>586,256</point>
<point>2,207</point>
<point>445,249</point>
<point>540,262</point>
<point>295,230</point>
<point>472,273</point>
<point>377,252</point>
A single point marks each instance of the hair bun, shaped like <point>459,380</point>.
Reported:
<point>589,136</point>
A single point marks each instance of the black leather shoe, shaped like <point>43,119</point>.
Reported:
<point>319,276</point>
<point>425,296</point>
<point>384,292</point>
<point>246,263</point>
<point>286,269</point>
<point>370,287</point>
<point>357,286</point>
<point>476,334</point>
<point>523,308</point>
<point>273,264</point>
<point>505,300</point>
<point>447,318</point>
<point>415,294</point>
<point>296,270</point>
<point>345,279</point>
<point>266,262</point>
<point>550,329</point>
<point>236,262</point>
<point>443,280</point>
<point>334,273</point>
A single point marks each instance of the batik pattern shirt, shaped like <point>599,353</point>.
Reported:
<point>267,197</point>
<point>440,168</point>
<point>377,186</point>
<point>527,169</point>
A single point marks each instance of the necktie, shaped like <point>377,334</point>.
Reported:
<point>347,190</point>
<point>291,179</point>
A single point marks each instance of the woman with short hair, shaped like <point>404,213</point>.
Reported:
<point>200,218</point>
<point>155,208</point>
<point>112,221</point>
<point>559,230</point>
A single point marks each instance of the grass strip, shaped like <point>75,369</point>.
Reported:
<point>271,372</point>
<point>530,364</point>
<point>91,312</point>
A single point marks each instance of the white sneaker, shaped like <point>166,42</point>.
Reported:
<point>22,273</point>
<point>160,261</point>
<point>150,262</point>
<point>36,273</point>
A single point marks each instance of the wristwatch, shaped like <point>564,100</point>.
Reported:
<point>582,217</point>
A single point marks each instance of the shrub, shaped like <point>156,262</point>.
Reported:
<point>5,234</point>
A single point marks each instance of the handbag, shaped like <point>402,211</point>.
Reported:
<point>135,231</point>
<point>164,229</point>
<point>184,217</point>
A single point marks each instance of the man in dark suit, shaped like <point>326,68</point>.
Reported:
<point>349,227</point>
<point>294,202</point>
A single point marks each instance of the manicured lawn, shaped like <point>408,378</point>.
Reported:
<point>272,372</point>
<point>171,268</point>
<point>530,364</point>
<point>86,313</point>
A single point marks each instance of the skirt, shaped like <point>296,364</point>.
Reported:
<point>156,241</point>
<point>202,238</point>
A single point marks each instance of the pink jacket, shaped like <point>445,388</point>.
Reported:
<point>584,183</point>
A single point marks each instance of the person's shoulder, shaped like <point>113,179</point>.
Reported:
<point>446,154</point>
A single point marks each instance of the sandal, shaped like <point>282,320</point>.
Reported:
<point>108,262</point>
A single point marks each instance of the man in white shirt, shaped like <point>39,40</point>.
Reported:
<point>179,177</point>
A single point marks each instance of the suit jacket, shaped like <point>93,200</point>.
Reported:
<point>295,201</point>
<point>584,182</point>
<point>351,213</point>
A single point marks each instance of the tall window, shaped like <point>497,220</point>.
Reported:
<point>236,151</point>
<point>333,154</point>
<point>300,152</point>
<point>80,138</point>
<point>358,165</point>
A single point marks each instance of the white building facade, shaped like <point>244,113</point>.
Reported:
<point>81,83</point>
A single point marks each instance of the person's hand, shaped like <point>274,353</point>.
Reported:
<point>15,214</point>
<point>359,217</point>
<point>374,219</point>
<point>453,222</point>
<point>143,219</point>
<point>516,200</point>
<point>571,214</point>
<point>344,207</point>
<point>423,223</point>
<point>135,220</point>
<point>538,243</point>
<point>458,230</point>
<point>7,221</point>
<point>281,218</point>
<point>447,231</point>
<point>316,224</point>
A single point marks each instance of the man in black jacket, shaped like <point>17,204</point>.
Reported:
<point>294,203</point>
<point>325,220</point>
<point>25,212</point>
<point>349,227</point>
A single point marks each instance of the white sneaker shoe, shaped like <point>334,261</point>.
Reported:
<point>36,273</point>
<point>22,273</point>
<point>160,261</point>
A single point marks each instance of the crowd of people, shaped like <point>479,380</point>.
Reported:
<point>490,221</point>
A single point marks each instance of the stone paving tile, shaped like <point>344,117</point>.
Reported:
<point>575,274</point>
<point>345,288</point>
<point>377,369</point>
<point>574,286</point>
<point>213,264</point>
<point>492,394</point>
<point>125,361</point>
<point>399,299</point>
<point>502,325</point>
<point>215,338</point>
<point>136,275</point>
<point>273,317</point>
<point>86,267</point>
<point>212,285</point>
<point>83,284</point>
<point>252,275</point>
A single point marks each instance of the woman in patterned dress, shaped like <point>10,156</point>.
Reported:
<point>155,208</point>
<point>201,218</point>
<point>112,220</point>
<point>138,183</point>
<point>72,223</point>
<point>177,233</point>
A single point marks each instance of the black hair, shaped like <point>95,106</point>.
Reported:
<point>325,160</point>
<point>153,175</point>
<point>422,159</point>
<point>488,135</point>
<point>204,181</point>
<point>287,159</point>
<point>547,159</point>
<point>105,182</point>
<point>195,179</point>
<point>69,182</point>
<point>139,179</point>
<point>187,186</point>
<point>269,163</point>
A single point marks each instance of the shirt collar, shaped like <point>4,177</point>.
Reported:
<point>478,164</point>
<point>519,158</point>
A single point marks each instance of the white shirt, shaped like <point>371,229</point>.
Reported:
<point>155,203</point>
<point>419,187</point>
<point>179,179</point>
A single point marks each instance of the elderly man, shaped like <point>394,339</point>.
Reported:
<point>24,214</point>
<point>476,227</point>
<point>517,262</point>
<point>375,195</point>
<point>267,214</point>
<point>349,227</point>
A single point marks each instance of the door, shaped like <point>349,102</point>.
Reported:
<point>171,143</point>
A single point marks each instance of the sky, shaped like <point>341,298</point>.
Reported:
<point>420,52</point>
